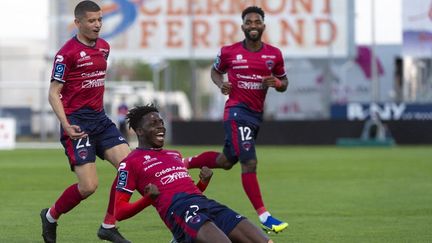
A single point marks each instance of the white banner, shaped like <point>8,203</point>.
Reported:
<point>177,29</point>
<point>417,28</point>
<point>7,133</point>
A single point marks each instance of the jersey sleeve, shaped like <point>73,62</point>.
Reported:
<point>279,68</point>
<point>61,67</point>
<point>126,181</point>
<point>220,63</point>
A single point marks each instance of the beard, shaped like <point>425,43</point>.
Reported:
<point>250,37</point>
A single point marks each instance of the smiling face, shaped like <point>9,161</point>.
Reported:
<point>89,27</point>
<point>253,26</point>
<point>151,132</point>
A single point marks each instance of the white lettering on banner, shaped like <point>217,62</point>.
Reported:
<point>165,29</point>
<point>387,111</point>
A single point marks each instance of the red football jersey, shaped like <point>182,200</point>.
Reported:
<point>163,168</point>
<point>82,70</point>
<point>245,71</point>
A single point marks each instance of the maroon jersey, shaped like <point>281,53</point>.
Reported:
<point>245,71</point>
<point>82,70</point>
<point>163,168</point>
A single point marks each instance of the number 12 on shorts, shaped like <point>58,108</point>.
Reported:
<point>245,133</point>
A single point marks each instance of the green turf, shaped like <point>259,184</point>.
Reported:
<point>326,194</point>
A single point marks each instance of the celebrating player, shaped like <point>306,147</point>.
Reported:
<point>76,96</point>
<point>252,67</point>
<point>160,176</point>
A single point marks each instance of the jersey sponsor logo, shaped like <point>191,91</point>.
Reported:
<point>169,170</point>
<point>122,179</point>
<point>174,176</point>
<point>249,85</point>
<point>59,70</point>
<point>83,59</point>
<point>83,56</point>
<point>239,59</point>
<point>93,83</point>
<point>93,74</point>
<point>152,165</point>
<point>253,77</point>
<point>241,67</point>
<point>85,64</point>
<point>268,56</point>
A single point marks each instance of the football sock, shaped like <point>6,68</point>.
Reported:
<point>109,217</point>
<point>68,200</point>
<point>204,159</point>
<point>263,217</point>
<point>49,217</point>
<point>108,226</point>
<point>252,189</point>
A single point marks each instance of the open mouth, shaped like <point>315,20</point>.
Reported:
<point>160,136</point>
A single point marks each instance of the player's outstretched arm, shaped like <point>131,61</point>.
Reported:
<point>205,176</point>
<point>124,209</point>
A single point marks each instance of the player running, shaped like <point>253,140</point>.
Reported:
<point>252,67</point>
<point>76,96</point>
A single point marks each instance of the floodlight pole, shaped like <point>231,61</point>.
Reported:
<point>374,70</point>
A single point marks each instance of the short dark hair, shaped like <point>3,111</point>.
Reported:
<point>253,9</point>
<point>85,6</point>
<point>135,115</point>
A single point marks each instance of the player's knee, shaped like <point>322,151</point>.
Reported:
<point>87,189</point>
<point>249,166</point>
<point>224,163</point>
<point>227,166</point>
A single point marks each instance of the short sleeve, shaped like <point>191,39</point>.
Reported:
<point>61,67</point>
<point>279,68</point>
<point>126,180</point>
<point>220,62</point>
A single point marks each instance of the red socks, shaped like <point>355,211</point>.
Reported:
<point>68,200</point>
<point>252,189</point>
<point>205,159</point>
<point>109,217</point>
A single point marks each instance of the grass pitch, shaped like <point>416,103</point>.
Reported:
<point>326,194</point>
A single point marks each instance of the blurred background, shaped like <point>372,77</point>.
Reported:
<point>345,60</point>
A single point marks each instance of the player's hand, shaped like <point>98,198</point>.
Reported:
<point>205,174</point>
<point>225,88</point>
<point>151,190</point>
<point>74,132</point>
<point>271,81</point>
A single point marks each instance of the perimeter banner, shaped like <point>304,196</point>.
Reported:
<point>178,29</point>
<point>417,28</point>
